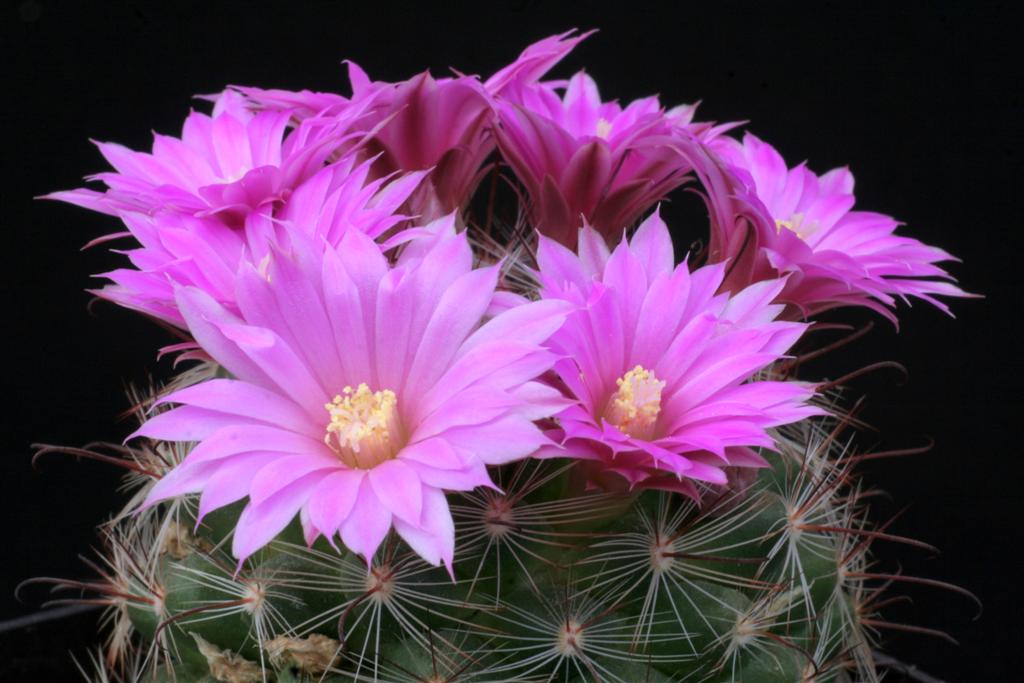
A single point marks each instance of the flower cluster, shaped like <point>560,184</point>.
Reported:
<point>377,351</point>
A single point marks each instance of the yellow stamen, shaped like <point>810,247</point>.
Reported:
<point>364,428</point>
<point>635,406</point>
<point>604,128</point>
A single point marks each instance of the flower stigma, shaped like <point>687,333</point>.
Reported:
<point>364,429</point>
<point>634,408</point>
<point>795,225</point>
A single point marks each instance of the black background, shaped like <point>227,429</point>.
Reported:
<point>923,101</point>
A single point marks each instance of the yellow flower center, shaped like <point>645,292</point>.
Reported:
<point>635,406</point>
<point>364,429</point>
<point>795,225</point>
<point>604,128</point>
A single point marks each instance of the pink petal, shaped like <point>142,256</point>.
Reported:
<point>205,317</point>
<point>434,538</point>
<point>245,400</point>
<point>367,524</point>
<point>653,246</point>
<point>397,487</point>
<point>231,481</point>
<point>333,499</point>
<point>277,475</point>
<point>259,524</point>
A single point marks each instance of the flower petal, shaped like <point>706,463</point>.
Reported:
<point>434,538</point>
<point>398,489</point>
<point>367,523</point>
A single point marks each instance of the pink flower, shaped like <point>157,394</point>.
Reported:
<point>443,125</point>
<point>179,249</point>
<point>583,159</point>
<point>363,392</point>
<point>832,255</point>
<point>661,366</point>
<point>227,165</point>
<point>423,123</point>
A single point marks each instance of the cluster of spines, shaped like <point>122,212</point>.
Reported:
<point>770,582</point>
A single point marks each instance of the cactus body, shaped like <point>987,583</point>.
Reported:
<point>551,584</point>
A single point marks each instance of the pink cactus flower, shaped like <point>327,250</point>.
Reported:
<point>179,249</point>
<point>661,366</point>
<point>804,227</point>
<point>427,123</point>
<point>584,159</point>
<point>362,393</point>
<point>442,125</point>
<point>227,165</point>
